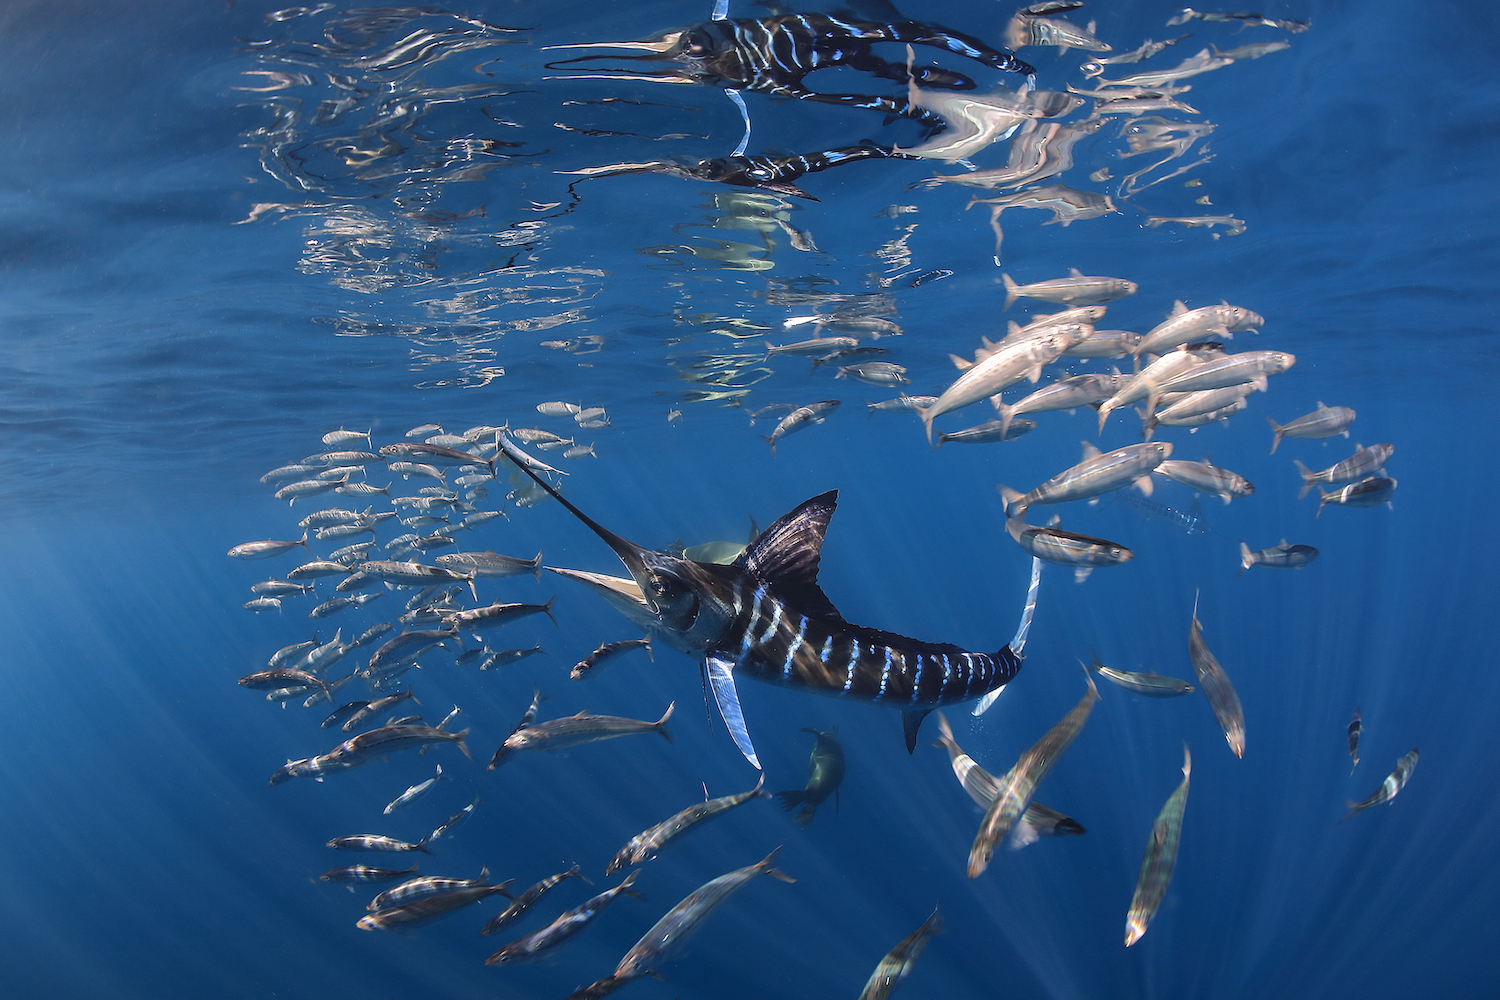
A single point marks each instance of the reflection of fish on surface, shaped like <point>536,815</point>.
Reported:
<point>1067,205</point>
<point>1390,787</point>
<point>899,961</point>
<point>825,772</point>
<point>765,616</point>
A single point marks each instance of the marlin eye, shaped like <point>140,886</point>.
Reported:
<point>659,588</point>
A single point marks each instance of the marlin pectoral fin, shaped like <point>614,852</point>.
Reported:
<point>719,669</point>
<point>912,721</point>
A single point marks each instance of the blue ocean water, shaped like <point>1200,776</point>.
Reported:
<point>229,229</point>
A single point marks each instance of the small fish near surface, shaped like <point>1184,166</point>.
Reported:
<point>647,844</point>
<point>672,931</point>
<point>765,616</point>
<point>825,772</point>
<point>1279,556</point>
<point>1370,492</point>
<point>1160,859</point>
<point>1075,290</point>
<point>1324,422</point>
<point>534,945</point>
<point>1222,697</point>
<point>1390,787</point>
<point>899,961</point>
<point>799,419</point>
<point>1151,685</point>
<point>266,549</point>
<point>1083,553</point>
<point>1019,783</point>
<point>608,650</point>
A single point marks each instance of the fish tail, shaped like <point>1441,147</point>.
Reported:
<point>458,739</point>
<point>770,441</point>
<point>547,609</point>
<point>536,567</point>
<point>421,845</point>
<point>647,648</point>
<point>1010,290</point>
<point>1322,502</point>
<point>1012,499</point>
<point>1247,558</point>
<point>303,540</point>
<point>1306,475</point>
<point>804,816</point>
<point>792,799</point>
<point>660,725</point>
<point>927,416</point>
<point>1279,430</point>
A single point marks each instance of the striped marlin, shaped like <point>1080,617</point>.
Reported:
<point>764,616</point>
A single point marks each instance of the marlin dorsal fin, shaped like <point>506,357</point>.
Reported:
<point>786,554</point>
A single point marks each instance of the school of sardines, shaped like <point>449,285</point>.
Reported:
<point>766,616</point>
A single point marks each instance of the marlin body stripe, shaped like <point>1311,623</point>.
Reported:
<point>764,616</point>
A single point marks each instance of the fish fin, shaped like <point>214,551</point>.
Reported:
<point>911,721</point>
<point>962,364</point>
<point>1178,308</point>
<point>770,441</point>
<point>787,554</point>
<point>1011,497</point>
<point>1081,573</point>
<point>1145,485</point>
<point>1010,290</point>
<point>719,669</point>
<point>1022,834</point>
<point>1035,375</point>
<point>792,799</point>
<point>1089,451</point>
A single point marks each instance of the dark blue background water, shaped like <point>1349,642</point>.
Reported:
<point>160,357</point>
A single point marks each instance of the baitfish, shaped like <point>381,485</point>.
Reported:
<point>799,419</point>
<point>526,900</point>
<point>997,368</point>
<point>428,885</point>
<point>1357,466</point>
<point>266,549</point>
<point>376,842</point>
<point>1370,492</point>
<point>364,873</point>
<point>875,373</point>
<point>375,707</point>
<point>1184,325</point>
<point>673,930</point>
<point>1281,556</point>
<point>1096,475</point>
<point>1355,726</point>
<point>1191,521</point>
<point>1390,787</point>
<point>457,819</point>
<point>1160,859</point>
<point>982,786</point>
<point>427,907</point>
<point>1152,685</point>
<point>1065,394</point>
<point>1019,783</point>
<point>1206,477</point>
<point>526,720</point>
<point>576,730</point>
<point>490,564</point>
<point>1324,422</point>
<point>825,772</point>
<point>898,962</point>
<point>528,948</point>
<point>495,615</point>
<point>1064,548</point>
<point>648,843</point>
<point>606,651</point>
<point>1217,687</point>
<point>989,432</point>
<point>1077,289</point>
<point>415,792</point>
<point>765,616</point>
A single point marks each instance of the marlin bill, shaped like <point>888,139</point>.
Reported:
<point>765,616</point>
<point>1160,859</point>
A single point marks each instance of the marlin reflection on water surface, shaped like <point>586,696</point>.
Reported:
<point>765,616</point>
